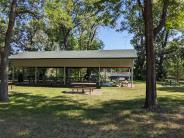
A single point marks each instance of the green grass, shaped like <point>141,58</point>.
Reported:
<point>50,113</point>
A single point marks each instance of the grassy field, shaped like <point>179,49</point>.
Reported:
<point>50,113</point>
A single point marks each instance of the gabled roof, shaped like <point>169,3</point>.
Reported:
<point>90,54</point>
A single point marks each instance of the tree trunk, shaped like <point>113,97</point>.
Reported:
<point>151,95</point>
<point>5,62</point>
<point>1,52</point>
<point>177,70</point>
<point>161,72</point>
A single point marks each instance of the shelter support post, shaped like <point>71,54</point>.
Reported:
<point>129,70</point>
<point>64,76</point>
<point>56,73</point>
<point>111,71</point>
<point>105,74</point>
<point>132,76</point>
<point>13,74</point>
<point>99,78</point>
<point>36,70</point>
<point>24,73</point>
<point>79,75</point>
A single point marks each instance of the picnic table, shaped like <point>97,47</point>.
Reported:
<point>170,82</point>
<point>122,82</point>
<point>83,86</point>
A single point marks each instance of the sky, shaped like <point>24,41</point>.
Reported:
<point>114,40</point>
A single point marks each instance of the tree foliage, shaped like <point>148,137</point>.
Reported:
<point>133,22</point>
<point>175,58</point>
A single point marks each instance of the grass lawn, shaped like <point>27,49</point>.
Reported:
<point>51,113</point>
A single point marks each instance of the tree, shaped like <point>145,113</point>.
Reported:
<point>175,58</point>
<point>16,8</point>
<point>147,20</point>
<point>133,22</point>
<point>160,44</point>
<point>151,100</point>
<point>5,53</point>
<point>150,35</point>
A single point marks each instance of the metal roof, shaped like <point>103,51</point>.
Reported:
<point>90,54</point>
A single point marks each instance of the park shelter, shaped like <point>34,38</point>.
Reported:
<point>75,59</point>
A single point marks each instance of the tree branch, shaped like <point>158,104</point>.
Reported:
<point>162,18</point>
<point>27,11</point>
<point>141,7</point>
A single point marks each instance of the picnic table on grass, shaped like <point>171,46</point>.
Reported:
<point>170,82</point>
<point>83,86</point>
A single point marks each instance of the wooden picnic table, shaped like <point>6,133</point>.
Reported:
<point>170,82</point>
<point>83,86</point>
<point>123,83</point>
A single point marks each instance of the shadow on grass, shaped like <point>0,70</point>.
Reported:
<point>38,116</point>
<point>171,89</point>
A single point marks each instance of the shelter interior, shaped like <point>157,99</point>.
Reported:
<point>43,76</point>
<point>61,68</point>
